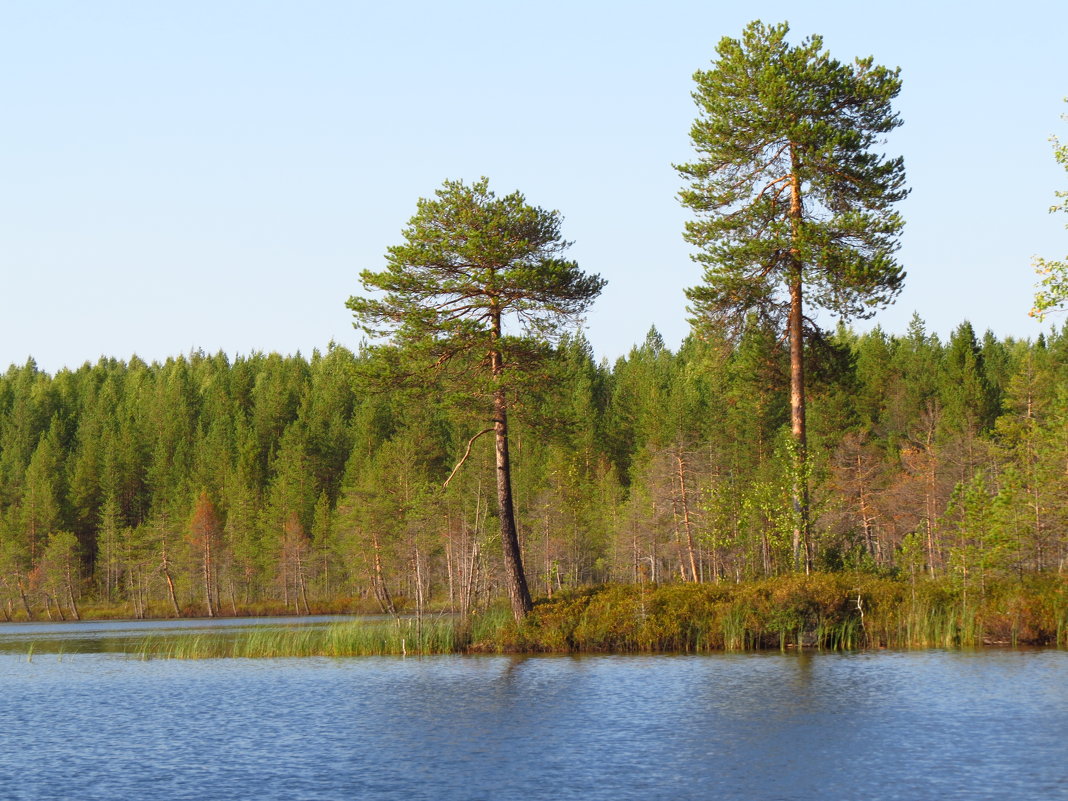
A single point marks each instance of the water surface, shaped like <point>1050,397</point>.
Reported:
<point>870,725</point>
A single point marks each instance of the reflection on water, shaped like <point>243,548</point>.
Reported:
<point>921,725</point>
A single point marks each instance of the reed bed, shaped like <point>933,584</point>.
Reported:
<point>403,636</point>
<point>836,611</point>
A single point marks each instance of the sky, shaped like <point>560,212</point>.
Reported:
<point>179,176</point>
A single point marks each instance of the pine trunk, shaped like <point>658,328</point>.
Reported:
<point>518,592</point>
<point>797,383</point>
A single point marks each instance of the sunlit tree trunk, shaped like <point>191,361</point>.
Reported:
<point>795,326</point>
<point>518,592</point>
<point>165,568</point>
<point>691,550</point>
<point>378,581</point>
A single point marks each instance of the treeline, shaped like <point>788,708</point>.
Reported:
<point>206,485</point>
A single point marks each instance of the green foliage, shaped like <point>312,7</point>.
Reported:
<point>788,179</point>
<point>479,288</point>
<point>470,259</point>
<point>598,496</point>
<point>939,497</point>
<point>1052,292</point>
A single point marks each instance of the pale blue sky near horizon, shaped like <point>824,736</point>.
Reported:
<point>214,175</point>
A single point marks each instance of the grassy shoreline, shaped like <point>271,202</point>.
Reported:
<point>823,612</point>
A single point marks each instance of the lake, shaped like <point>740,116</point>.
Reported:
<point>89,722</point>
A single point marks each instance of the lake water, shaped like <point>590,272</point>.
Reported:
<point>872,725</point>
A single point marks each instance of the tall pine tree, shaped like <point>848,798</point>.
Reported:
<point>793,202</point>
<point>480,281</point>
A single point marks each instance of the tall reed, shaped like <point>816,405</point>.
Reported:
<point>404,636</point>
<point>835,611</point>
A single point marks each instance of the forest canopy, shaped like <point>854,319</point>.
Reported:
<point>287,481</point>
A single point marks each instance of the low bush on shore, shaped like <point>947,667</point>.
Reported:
<point>823,611</point>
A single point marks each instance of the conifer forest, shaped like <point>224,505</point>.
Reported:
<point>207,484</point>
<point>471,426</point>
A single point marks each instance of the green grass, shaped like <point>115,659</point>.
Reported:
<point>833,611</point>
<point>406,636</point>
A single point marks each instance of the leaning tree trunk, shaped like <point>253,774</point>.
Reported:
<point>22,595</point>
<point>165,569</point>
<point>518,592</point>
<point>797,382</point>
<point>513,560</point>
<point>378,581</point>
<point>72,602</point>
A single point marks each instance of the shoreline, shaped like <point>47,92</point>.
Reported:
<point>819,612</point>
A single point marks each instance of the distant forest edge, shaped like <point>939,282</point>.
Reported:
<point>763,447</point>
<point>209,486</point>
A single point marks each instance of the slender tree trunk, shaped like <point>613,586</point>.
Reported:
<point>691,550</point>
<point>930,489</point>
<point>107,563</point>
<point>22,595</point>
<point>449,556</point>
<point>134,586</point>
<point>865,517</point>
<point>683,575</point>
<point>548,560</point>
<point>285,580</point>
<point>797,382</point>
<point>56,596</point>
<point>468,559</point>
<point>69,576</point>
<point>165,568</point>
<point>518,591</point>
<point>381,590</point>
<point>420,597</point>
<point>207,577</point>
<point>471,583</point>
<point>302,584</point>
<point>170,592</point>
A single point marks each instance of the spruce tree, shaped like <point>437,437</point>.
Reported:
<point>793,201</point>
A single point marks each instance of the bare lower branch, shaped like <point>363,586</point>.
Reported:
<point>467,453</point>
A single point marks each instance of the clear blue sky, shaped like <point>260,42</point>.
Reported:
<point>183,175</point>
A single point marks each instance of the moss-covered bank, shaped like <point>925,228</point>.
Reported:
<point>826,611</point>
